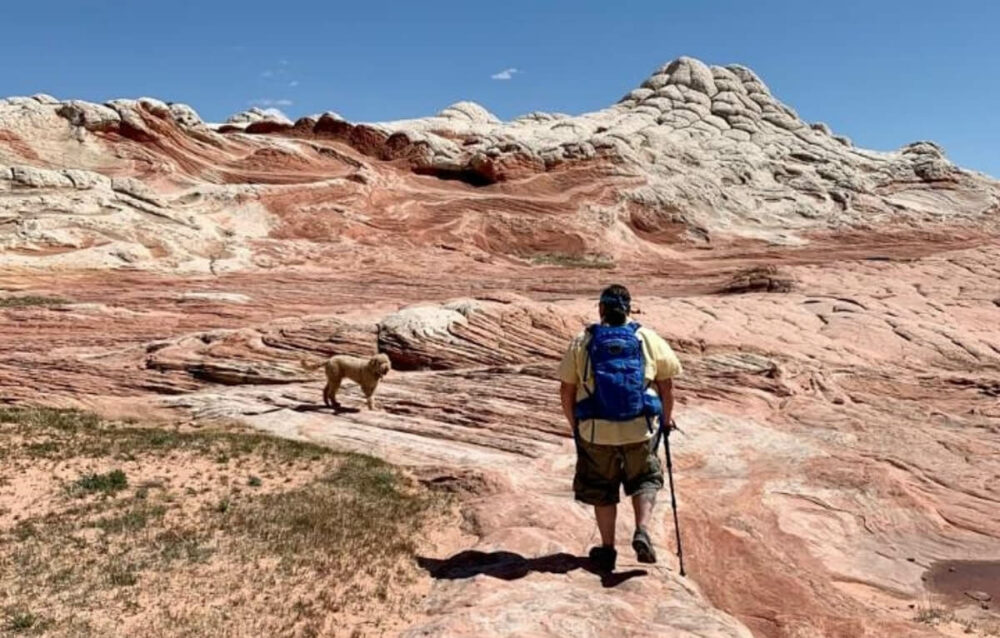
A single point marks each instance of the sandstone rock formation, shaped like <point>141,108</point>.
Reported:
<point>695,154</point>
<point>256,114</point>
<point>835,310</point>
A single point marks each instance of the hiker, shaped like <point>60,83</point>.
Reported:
<point>616,387</point>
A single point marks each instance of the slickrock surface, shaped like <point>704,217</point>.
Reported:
<point>835,309</point>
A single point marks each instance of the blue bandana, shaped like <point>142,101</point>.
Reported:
<point>614,302</point>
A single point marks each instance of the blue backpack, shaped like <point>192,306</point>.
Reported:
<point>620,391</point>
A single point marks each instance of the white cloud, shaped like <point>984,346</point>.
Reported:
<point>271,102</point>
<point>293,83</point>
<point>280,70</point>
<point>506,74</point>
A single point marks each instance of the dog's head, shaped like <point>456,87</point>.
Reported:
<point>380,365</point>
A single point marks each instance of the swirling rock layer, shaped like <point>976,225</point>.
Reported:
<point>696,154</point>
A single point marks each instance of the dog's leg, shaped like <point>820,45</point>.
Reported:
<point>368,387</point>
<point>333,385</point>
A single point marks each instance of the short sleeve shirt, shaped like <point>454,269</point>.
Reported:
<point>661,364</point>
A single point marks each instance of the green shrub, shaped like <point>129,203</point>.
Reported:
<point>107,483</point>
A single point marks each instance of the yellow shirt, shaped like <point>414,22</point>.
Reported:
<point>661,364</point>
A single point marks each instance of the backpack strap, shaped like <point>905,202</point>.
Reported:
<point>591,329</point>
<point>649,417</point>
<point>635,326</point>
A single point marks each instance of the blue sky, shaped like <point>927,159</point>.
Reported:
<point>883,72</point>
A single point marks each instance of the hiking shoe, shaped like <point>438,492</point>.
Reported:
<point>643,547</point>
<point>604,558</point>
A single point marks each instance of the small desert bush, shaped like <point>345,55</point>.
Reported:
<point>107,483</point>
<point>933,615</point>
<point>20,621</point>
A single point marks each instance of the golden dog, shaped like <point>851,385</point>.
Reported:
<point>365,372</point>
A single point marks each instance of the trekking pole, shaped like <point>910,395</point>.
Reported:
<point>673,498</point>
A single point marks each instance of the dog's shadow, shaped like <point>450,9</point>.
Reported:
<point>512,566</point>
<point>319,407</point>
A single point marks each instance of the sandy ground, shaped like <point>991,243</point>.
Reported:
<point>209,531</point>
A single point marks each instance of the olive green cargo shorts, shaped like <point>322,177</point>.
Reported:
<point>602,470</point>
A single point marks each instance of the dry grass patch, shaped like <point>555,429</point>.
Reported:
<point>565,260</point>
<point>19,621</point>
<point>758,279</point>
<point>121,529</point>
<point>27,301</point>
<point>949,619</point>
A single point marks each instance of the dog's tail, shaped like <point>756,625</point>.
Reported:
<point>307,365</point>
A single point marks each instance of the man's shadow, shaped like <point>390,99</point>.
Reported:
<point>511,566</point>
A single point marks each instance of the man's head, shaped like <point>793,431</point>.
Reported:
<point>615,305</point>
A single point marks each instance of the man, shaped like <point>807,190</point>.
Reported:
<point>616,386</point>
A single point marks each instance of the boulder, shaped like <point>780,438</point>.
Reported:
<point>93,117</point>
